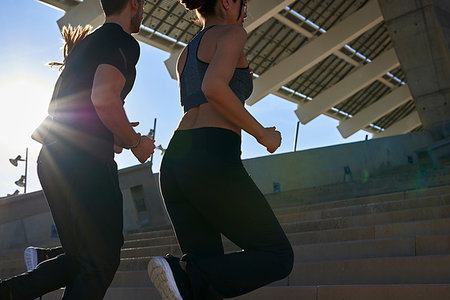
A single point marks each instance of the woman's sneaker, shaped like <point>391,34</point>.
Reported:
<point>169,278</point>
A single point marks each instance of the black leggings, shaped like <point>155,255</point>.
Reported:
<point>207,192</point>
<point>86,204</point>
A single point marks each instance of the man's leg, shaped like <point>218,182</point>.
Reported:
<point>100,224</point>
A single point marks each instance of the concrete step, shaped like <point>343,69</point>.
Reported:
<point>432,269</point>
<point>158,241</point>
<point>365,209</point>
<point>351,292</point>
<point>397,230</point>
<point>431,240</point>
<point>150,228</point>
<point>332,292</point>
<point>341,203</point>
<point>443,192</point>
<point>414,214</point>
<point>148,234</point>
<point>361,249</point>
<point>131,293</point>
<point>372,219</point>
<point>410,246</point>
<point>410,186</point>
<point>405,229</point>
<point>150,251</point>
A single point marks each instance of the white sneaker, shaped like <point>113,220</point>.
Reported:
<point>31,258</point>
<point>162,277</point>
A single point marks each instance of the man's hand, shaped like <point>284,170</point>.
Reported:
<point>145,148</point>
<point>118,144</point>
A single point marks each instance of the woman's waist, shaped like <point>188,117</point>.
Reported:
<point>203,116</point>
<point>204,144</point>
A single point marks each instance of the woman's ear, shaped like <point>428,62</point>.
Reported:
<point>225,4</point>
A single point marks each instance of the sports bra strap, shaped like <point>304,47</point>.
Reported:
<point>194,44</point>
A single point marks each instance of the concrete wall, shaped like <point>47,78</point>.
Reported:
<point>325,166</point>
<point>26,219</point>
<point>141,175</point>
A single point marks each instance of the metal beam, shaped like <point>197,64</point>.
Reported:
<point>261,11</point>
<point>317,50</point>
<point>375,111</point>
<point>405,125</point>
<point>348,86</point>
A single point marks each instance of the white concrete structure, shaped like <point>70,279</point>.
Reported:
<point>274,79</point>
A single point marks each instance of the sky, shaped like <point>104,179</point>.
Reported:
<point>30,38</point>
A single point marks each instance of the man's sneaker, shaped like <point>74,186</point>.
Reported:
<point>31,258</point>
<point>34,255</point>
<point>169,278</point>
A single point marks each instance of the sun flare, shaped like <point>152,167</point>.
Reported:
<point>24,104</point>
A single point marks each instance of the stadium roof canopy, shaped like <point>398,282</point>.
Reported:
<point>331,57</point>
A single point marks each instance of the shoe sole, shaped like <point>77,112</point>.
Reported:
<point>30,256</point>
<point>31,260</point>
<point>162,277</point>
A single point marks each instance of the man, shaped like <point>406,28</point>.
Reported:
<point>76,165</point>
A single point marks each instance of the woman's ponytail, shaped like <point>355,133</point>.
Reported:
<point>72,36</point>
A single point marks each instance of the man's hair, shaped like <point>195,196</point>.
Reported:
<point>111,7</point>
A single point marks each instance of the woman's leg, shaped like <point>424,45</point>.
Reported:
<point>193,233</point>
<point>226,199</point>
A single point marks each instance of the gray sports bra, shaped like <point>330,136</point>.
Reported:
<point>194,70</point>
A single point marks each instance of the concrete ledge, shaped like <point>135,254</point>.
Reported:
<point>334,292</point>
<point>395,270</point>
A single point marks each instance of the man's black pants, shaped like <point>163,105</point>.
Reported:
<point>86,204</point>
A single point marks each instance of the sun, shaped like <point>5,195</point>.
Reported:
<point>24,104</point>
<point>24,97</point>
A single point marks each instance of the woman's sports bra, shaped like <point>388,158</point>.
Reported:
<point>194,70</point>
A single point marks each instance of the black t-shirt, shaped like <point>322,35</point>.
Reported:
<point>76,119</point>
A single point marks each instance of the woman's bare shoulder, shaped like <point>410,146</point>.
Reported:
<point>232,31</point>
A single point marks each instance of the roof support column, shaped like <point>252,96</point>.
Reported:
<point>420,32</point>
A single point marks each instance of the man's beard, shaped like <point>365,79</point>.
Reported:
<point>136,23</point>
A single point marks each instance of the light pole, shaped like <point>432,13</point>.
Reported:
<point>152,135</point>
<point>22,182</point>
<point>296,136</point>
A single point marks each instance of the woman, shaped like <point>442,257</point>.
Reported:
<point>206,190</point>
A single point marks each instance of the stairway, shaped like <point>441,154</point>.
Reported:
<point>387,246</point>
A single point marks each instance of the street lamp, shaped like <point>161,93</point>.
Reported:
<point>16,192</point>
<point>22,182</point>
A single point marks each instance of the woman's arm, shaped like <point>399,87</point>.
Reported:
<point>216,87</point>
